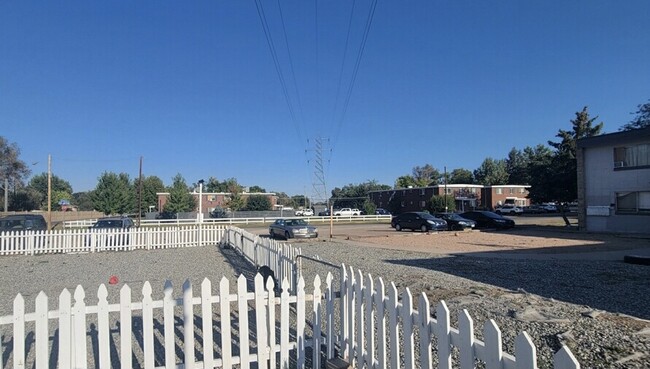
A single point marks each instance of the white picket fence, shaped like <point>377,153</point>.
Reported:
<point>175,332</point>
<point>378,330</point>
<point>96,240</point>
<point>279,256</point>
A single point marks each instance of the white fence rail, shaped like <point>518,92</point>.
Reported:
<point>279,256</point>
<point>85,223</point>
<point>210,330</point>
<point>379,328</point>
<point>96,240</point>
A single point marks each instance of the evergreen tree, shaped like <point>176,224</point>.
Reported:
<point>491,172</point>
<point>258,203</point>
<point>113,194</point>
<point>180,200</point>
<point>461,176</point>
<point>642,119</point>
<point>564,164</point>
<point>150,187</point>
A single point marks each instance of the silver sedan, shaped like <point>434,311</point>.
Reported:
<point>292,228</point>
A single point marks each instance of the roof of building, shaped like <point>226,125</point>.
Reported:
<point>608,139</point>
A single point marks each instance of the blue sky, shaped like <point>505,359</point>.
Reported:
<point>192,87</point>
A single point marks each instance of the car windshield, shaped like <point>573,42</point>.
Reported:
<point>295,222</point>
<point>451,216</point>
<point>11,224</point>
<point>426,216</point>
<point>108,224</point>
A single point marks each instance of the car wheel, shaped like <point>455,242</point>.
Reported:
<point>398,227</point>
<point>498,212</point>
<point>424,228</point>
<point>456,227</point>
<point>271,234</point>
<point>287,235</point>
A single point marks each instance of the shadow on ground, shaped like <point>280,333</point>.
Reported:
<point>610,285</point>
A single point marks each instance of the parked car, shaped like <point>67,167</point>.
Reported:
<point>533,209</point>
<point>346,212</point>
<point>381,211</point>
<point>418,220</point>
<point>23,222</point>
<point>324,213</point>
<point>455,222</point>
<point>509,209</point>
<point>488,219</point>
<point>550,208</point>
<point>304,212</point>
<point>111,231</point>
<point>292,228</point>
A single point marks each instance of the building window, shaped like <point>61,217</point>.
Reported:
<point>512,190</point>
<point>632,156</point>
<point>522,190</point>
<point>212,197</point>
<point>422,192</point>
<point>402,203</point>
<point>499,191</point>
<point>423,204</point>
<point>633,202</point>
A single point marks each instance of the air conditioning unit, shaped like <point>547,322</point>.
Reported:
<point>619,164</point>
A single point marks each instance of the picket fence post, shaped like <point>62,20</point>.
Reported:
<point>206,316</point>
<point>42,331</point>
<point>103,327</point>
<point>242,309</point>
<point>317,322</point>
<point>444,335</point>
<point>19,332</point>
<point>466,347</point>
<point>65,339</point>
<point>125,327</point>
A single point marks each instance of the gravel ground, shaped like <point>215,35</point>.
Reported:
<point>596,307</point>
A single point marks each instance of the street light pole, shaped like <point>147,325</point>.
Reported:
<point>199,216</point>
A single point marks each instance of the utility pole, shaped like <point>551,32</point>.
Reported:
<point>49,191</point>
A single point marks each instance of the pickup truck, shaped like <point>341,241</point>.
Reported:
<point>346,212</point>
<point>304,213</point>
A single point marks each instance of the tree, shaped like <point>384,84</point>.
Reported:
<point>229,185</point>
<point>642,119</point>
<point>564,164</point>
<point>113,194</point>
<point>150,187</point>
<point>353,196</point>
<point>441,204</point>
<point>426,175</point>
<point>59,185</point>
<point>180,200</point>
<point>405,182</point>
<point>258,203</point>
<point>491,172</point>
<point>517,167</point>
<point>25,199</point>
<point>461,176</point>
<point>256,189</point>
<point>539,169</point>
<point>369,207</point>
<point>12,168</point>
<point>83,200</point>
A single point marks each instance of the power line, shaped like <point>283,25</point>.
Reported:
<point>276,62</point>
<point>293,73</point>
<point>355,71</point>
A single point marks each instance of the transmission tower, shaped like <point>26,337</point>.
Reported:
<point>318,181</point>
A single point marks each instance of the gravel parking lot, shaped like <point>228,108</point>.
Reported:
<point>560,286</point>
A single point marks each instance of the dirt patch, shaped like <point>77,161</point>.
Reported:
<point>524,242</point>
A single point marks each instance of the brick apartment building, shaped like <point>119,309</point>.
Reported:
<point>466,196</point>
<point>212,200</point>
